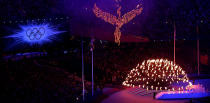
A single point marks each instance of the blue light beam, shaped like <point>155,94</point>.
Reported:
<point>36,34</point>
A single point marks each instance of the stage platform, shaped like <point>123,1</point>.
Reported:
<point>137,95</point>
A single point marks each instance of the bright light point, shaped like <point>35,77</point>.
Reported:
<point>36,34</point>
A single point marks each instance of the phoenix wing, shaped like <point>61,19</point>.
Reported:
<point>132,14</point>
<point>107,17</point>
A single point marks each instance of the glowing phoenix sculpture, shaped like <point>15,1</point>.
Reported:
<point>35,34</point>
<point>119,21</point>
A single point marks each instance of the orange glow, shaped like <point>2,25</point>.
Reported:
<point>119,21</point>
<point>156,74</point>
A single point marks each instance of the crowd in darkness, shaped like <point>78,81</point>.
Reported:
<point>32,81</point>
<point>58,75</point>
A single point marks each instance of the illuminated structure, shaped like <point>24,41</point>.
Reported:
<point>193,91</point>
<point>35,34</point>
<point>119,21</point>
<point>157,74</point>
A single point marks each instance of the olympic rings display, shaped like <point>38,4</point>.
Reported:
<point>35,33</point>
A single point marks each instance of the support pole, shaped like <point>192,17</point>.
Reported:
<point>174,43</point>
<point>92,48</point>
<point>83,81</point>
<point>92,76</point>
<point>198,50</point>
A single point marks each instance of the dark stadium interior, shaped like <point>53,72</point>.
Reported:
<point>61,51</point>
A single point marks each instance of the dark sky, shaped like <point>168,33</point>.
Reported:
<point>156,21</point>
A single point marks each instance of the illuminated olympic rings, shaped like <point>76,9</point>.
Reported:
<point>35,33</point>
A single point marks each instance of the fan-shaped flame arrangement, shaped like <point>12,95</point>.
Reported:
<point>157,74</point>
